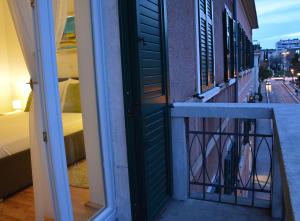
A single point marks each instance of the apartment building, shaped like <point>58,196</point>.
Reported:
<point>288,44</point>
<point>214,43</point>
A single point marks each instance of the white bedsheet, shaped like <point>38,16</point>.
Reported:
<point>14,131</point>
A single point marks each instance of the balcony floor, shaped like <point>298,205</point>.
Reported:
<point>194,210</point>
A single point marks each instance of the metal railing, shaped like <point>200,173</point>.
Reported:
<point>230,160</point>
<point>245,154</point>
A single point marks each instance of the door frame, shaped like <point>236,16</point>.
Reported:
<point>128,32</point>
<point>50,109</point>
<point>51,114</point>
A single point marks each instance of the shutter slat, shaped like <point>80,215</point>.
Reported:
<point>210,52</point>
<point>202,4</point>
<point>203,44</point>
<point>209,8</point>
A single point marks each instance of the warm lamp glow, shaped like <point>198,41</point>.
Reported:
<point>17,104</point>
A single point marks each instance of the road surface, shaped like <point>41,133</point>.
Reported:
<point>276,92</point>
<point>279,93</point>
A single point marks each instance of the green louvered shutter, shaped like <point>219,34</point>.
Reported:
<point>154,105</point>
<point>231,28</point>
<point>242,50</point>
<point>206,44</point>
<point>228,26</point>
<point>226,40</point>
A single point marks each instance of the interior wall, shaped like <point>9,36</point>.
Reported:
<point>89,106</point>
<point>67,61</point>
<point>67,64</point>
<point>14,73</point>
<point>5,91</point>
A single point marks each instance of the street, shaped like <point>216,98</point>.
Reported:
<point>280,93</point>
<point>274,92</point>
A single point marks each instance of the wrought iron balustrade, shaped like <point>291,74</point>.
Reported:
<point>243,154</point>
<point>230,160</point>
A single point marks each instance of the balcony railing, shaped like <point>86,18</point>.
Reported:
<point>230,161</point>
<point>233,153</point>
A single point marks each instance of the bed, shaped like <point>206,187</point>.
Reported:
<point>15,161</point>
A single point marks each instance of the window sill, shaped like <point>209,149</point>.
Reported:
<point>245,72</point>
<point>211,93</point>
<point>227,84</point>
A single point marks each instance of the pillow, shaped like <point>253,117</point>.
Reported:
<point>71,98</point>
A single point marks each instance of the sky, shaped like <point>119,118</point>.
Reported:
<point>277,19</point>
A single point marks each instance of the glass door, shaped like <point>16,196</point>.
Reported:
<point>72,133</point>
<point>78,100</point>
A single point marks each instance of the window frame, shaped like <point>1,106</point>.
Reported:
<point>228,44</point>
<point>209,20</point>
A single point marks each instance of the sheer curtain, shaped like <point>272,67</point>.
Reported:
<point>60,8</point>
<point>21,12</point>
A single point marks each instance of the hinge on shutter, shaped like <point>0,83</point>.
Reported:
<point>45,137</point>
<point>32,3</point>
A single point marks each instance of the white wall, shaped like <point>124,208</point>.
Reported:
<point>13,70</point>
<point>5,92</point>
<point>67,64</point>
<point>67,60</point>
<point>89,106</point>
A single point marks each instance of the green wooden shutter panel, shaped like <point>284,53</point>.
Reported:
<point>154,107</point>
<point>225,40</point>
<point>231,23</point>
<point>203,52</point>
<point>203,5</point>
<point>241,48</point>
<point>229,55</point>
<point>210,48</point>
<point>206,44</point>
<point>209,8</point>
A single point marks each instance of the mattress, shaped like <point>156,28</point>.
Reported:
<point>14,131</point>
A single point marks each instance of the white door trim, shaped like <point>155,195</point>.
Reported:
<point>51,115</point>
<point>109,213</point>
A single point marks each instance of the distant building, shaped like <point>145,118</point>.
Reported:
<point>288,44</point>
<point>266,55</point>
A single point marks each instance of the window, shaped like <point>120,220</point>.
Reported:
<point>228,27</point>
<point>245,50</point>
<point>206,44</point>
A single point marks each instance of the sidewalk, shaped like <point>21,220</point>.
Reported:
<point>291,88</point>
<point>264,151</point>
<point>264,94</point>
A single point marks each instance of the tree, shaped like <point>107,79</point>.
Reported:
<point>295,63</point>
<point>275,63</point>
<point>264,73</point>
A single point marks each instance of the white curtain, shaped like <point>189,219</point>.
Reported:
<point>22,16</point>
<point>60,8</point>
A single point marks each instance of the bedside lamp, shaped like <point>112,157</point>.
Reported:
<point>17,104</point>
